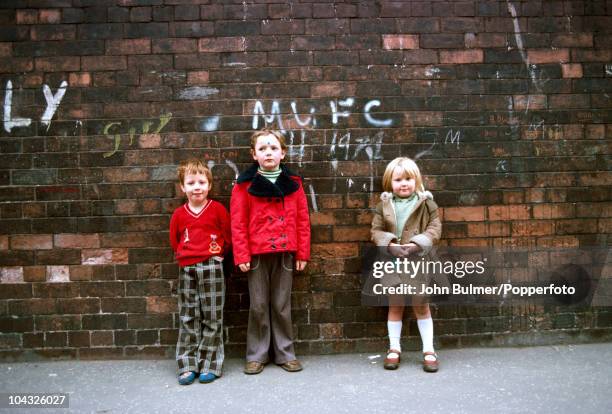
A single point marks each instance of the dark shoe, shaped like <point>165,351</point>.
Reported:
<point>187,379</point>
<point>392,362</point>
<point>430,366</point>
<point>208,377</point>
<point>292,366</point>
<point>253,367</point>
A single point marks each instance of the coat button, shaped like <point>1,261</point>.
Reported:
<point>281,218</point>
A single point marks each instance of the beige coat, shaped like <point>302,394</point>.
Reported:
<point>423,227</point>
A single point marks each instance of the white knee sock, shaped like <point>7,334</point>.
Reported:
<point>395,333</point>
<point>426,331</point>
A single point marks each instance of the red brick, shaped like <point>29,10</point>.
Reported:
<point>333,89</point>
<point>161,304</point>
<point>102,338</point>
<point>128,47</point>
<point>331,330</point>
<point>6,49</point>
<point>222,44</point>
<point>322,218</point>
<point>199,77</point>
<point>122,175</point>
<point>29,307</point>
<point>58,64</point>
<point>464,213</point>
<point>423,118</point>
<point>558,241</point>
<point>335,250</point>
<point>572,70</point>
<point>462,56</point>
<point>50,16</point>
<point>104,256</point>
<point>548,56</point>
<point>586,55</point>
<point>532,228</point>
<point>35,273</point>
<point>55,32</point>
<point>588,179</point>
<point>572,40</point>
<point>32,242</point>
<point>149,141</point>
<point>67,240</point>
<point>96,63</point>
<point>512,212</point>
<point>180,45</point>
<point>553,211</point>
<point>4,242</point>
<point>79,272</point>
<point>400,42</point>
<point>352,233</point>
<point>26,16</point>
<point>79,79</point>
<point>126,207</point>
<point>483,40</point>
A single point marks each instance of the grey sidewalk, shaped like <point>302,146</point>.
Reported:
<point>560,379</point>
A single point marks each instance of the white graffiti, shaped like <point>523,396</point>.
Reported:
<point>52,100</point>
<point>313,198</point>
<point>197,92</point>
<point>210,124</point>
<point>338,108</point>
<point>453,137</point>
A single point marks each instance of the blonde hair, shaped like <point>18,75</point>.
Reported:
<point>408,169</point>
<point>265,131</point>
<point>193,166</point>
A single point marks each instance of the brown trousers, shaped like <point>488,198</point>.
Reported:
<point>270,280</point>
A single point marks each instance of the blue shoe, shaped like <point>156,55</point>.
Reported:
<point>187,379</point>
<point>208,377</point>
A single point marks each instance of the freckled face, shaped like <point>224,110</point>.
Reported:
<point>402,185</point>
<point>268,152</point>
<point>196,187</point>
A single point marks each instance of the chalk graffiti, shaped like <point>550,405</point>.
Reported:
<point>145,128</point>
<point>53,101</point>
<point>210,124</point>
<point>197,92</point>
<point>453,137</point>
<point>338,109</point>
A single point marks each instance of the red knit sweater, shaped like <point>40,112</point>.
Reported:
<point>197,237</point>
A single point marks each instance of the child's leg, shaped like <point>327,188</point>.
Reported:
<point>425,324</point>
<point>211,290</point>
<point>281,279</point>
<point>189,321</point>
<point>258,331</point>
<point>394,324</point>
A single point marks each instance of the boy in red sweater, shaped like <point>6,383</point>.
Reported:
<point>199,235</point>
<point>271,235</point>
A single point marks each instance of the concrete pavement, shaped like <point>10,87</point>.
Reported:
<point>560,379</point>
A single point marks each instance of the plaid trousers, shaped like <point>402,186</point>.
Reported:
<point>201,298</point>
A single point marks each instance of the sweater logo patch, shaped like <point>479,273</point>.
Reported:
<point>214,247</point>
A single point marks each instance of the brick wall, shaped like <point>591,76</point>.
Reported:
<point>506,103</point>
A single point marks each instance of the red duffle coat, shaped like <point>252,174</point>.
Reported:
<point>269,217</point>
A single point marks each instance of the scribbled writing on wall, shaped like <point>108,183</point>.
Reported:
<point>112,130</point>
<point>53,100</point>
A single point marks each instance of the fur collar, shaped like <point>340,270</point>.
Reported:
<point>388,196</point>
<point>262,187</point>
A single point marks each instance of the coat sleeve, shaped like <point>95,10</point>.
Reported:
<point>433,231</point>
<point>303,226</point>
<point>239,213</point>
<point>379,233</point>
<point>174,232</point>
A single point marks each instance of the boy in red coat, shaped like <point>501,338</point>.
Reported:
<point>270,233</point>
<point>199,235</point>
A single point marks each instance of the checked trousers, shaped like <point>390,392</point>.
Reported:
<point>201,298</point>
